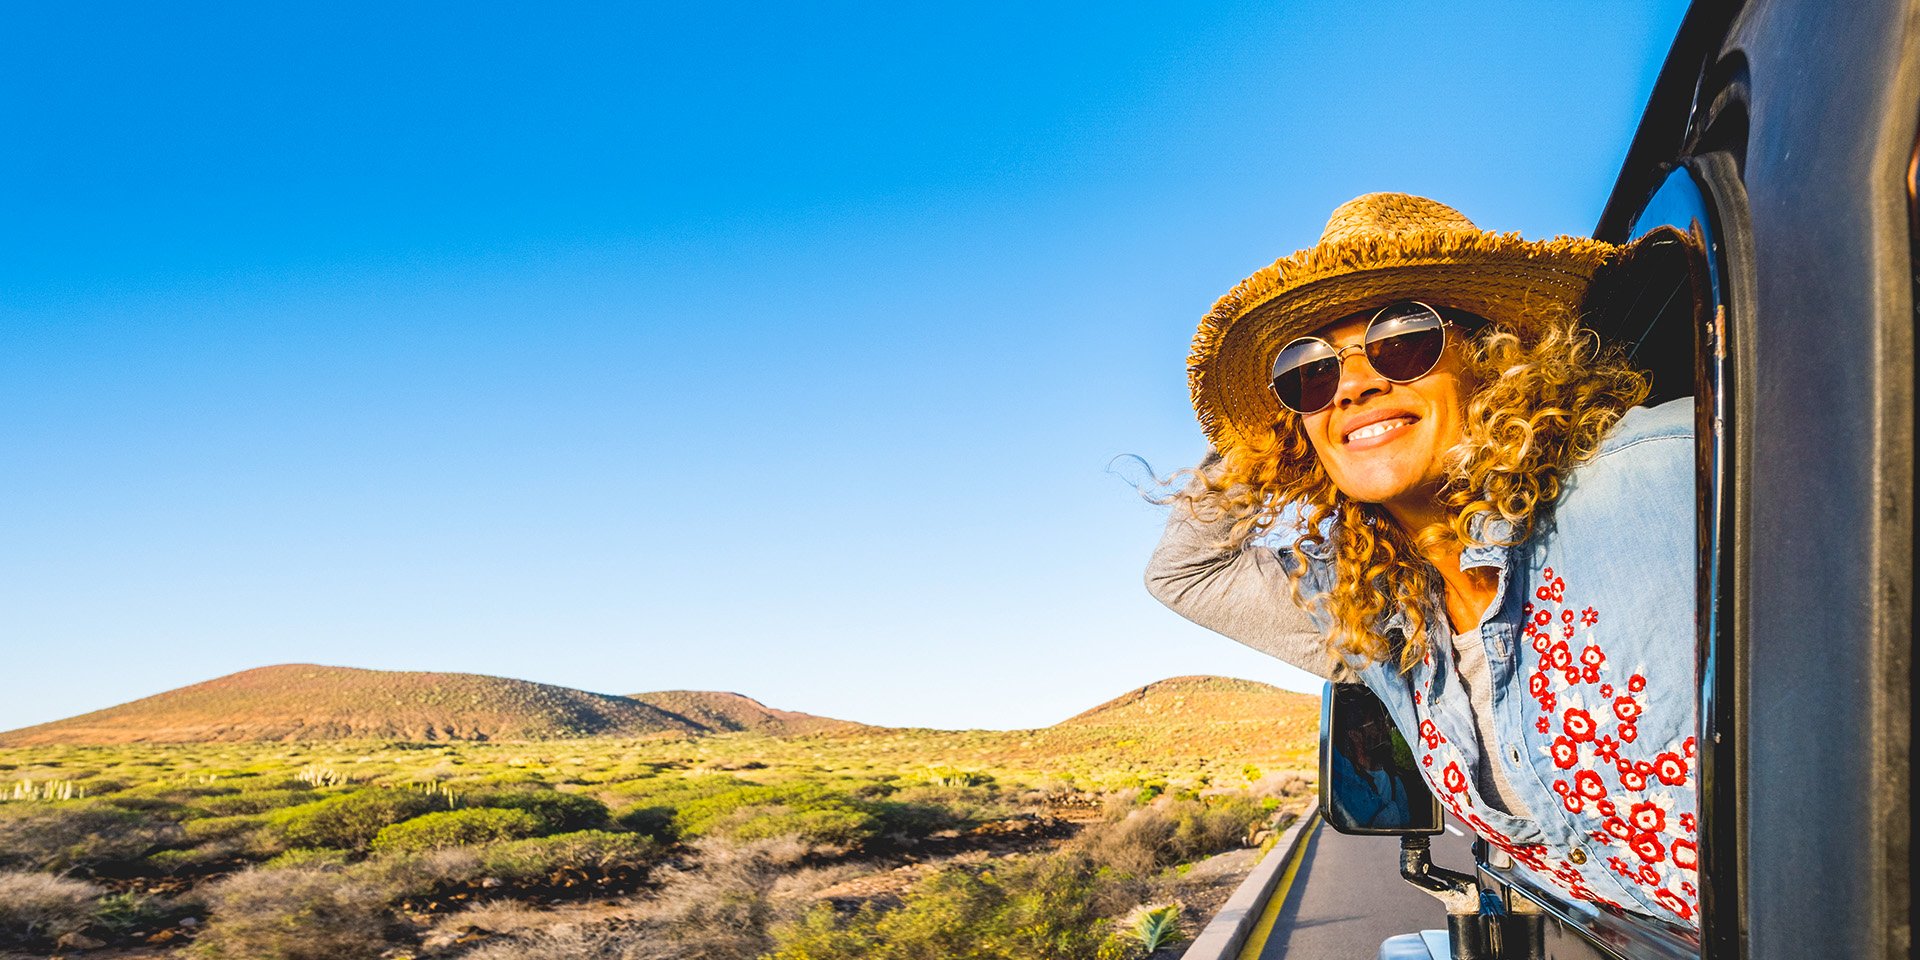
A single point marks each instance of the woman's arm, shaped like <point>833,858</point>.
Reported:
<point>1244,593</point>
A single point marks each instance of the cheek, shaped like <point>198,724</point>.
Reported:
<point>1316,430</point>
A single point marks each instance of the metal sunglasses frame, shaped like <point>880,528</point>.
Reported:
<point>1340,353</point>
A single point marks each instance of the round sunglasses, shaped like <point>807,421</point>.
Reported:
<point>1403,342</point>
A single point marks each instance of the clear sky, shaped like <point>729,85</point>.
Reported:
<point>779,349</point>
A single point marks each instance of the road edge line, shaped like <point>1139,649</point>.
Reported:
<point>1227,932</point>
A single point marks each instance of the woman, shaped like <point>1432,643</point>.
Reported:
<point>1427,477</point>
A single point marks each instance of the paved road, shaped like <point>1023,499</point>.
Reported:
<point>1347,896</point>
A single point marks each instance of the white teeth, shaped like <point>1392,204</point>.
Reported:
<point>1376,429</point>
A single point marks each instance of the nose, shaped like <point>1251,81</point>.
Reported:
<point>1358,379</point>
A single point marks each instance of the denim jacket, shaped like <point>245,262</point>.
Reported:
<point>1590,652</point>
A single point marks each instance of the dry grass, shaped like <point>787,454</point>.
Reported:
<point>298,913</point>
<point>725,907</point>
<point>40,906</point>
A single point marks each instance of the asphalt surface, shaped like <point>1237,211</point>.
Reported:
<point>1347,896</point>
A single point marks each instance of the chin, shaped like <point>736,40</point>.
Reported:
<point>1379,487</point>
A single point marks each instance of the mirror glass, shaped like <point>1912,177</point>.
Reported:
<point>1368,782</point>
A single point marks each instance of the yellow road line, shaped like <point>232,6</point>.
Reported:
<point>1262,929</point>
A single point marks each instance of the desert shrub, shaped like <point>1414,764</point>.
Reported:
<point>1170,831</point>
<point>669,791</point>
<point>921,810</point>
<point>122,913</point>
<point>418,873</point>
<point>456,828</point>
<point>254,801</point>
<point>1202,829</point>
<point>1051,906</point>
<point>350,820</point>
<point>80,835</point>
<point>208,829</point>
<point>650,821</point>
<point>813,812</point>
<point>318,857</point>
<point>1136,846</point>
<point>949,777</point>
<point>41,906</point>
<point>301,913</point>
<point>557,812</point>
<point>585,849</point>
<point>572,942</point>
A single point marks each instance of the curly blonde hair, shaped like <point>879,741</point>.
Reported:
<point>1547,393</point>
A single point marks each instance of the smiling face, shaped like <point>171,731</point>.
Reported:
<point>1385,442</point>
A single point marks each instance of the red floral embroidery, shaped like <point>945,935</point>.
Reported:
<point>1686,855</point>
<point>1630,795</point>
<point>1671,770</point>
<point>1672,901</point>
<point>1579,725</point>
<point>1647,817</point>
<point>1565,754</point>
<point>1587,784</point>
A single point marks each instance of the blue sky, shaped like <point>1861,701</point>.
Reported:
<point>775,349</point>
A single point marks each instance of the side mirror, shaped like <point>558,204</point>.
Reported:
<point>1369,785</point>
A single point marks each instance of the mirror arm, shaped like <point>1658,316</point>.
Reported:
<point>1456,891</point>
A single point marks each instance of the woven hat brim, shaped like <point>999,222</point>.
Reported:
<point>1497,275</point>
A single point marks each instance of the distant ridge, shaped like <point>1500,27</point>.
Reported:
<point>732,712</point>
<point>309,702</point>
<point>1203,700</point>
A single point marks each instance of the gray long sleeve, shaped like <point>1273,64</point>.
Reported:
<point>1242,593</point>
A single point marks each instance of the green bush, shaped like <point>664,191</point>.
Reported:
<point>456,828</point>
<point>654,821</point>
<point>814,812</point>
<point>349,821</point>
<point>597,850</point>
<point>317,857</point>
<point>253,801</point>
<point>557,812</point>
<point>1049,906</point>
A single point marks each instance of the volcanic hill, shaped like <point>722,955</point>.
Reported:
<point>308,702</point>
<point>1209,707</point>
<point>719,712</point>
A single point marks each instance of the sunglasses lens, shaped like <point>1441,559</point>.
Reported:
<point>1306,375</point>
<point>1405,340</point>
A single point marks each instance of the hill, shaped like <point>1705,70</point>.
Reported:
<point>1193,702</point>
<point>308,702</point>
<point>732,712</point>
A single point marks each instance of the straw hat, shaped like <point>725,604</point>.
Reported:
<point>1376,249</point>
